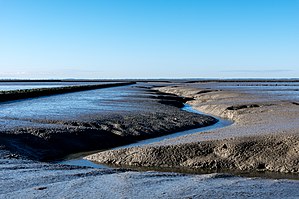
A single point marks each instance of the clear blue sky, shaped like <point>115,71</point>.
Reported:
<point>149,38</point>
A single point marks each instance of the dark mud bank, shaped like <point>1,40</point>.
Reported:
<point>39,92</point>
<point>103,131</point>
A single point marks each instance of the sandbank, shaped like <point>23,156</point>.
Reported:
<point>263,137</point>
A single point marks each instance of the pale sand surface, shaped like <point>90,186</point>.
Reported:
<point>253,114</point>
<point>264,135</point>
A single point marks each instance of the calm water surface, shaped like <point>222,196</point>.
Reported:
<point>71,106</point>
<point>7,86</point>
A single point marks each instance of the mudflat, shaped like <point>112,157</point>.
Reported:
<point>263,137</point>
<point>26,178</point>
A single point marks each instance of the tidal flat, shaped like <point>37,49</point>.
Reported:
<point>263,137</point>
<point>37,131</point>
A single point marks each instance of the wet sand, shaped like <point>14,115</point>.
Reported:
<point>29,179</point>
<point>264,136</point>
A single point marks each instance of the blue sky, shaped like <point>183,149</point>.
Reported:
<point>149,38</point>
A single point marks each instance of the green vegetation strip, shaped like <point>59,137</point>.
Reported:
<point>31,93</point>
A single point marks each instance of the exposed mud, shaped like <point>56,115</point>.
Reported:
<point>23,178</point>
<point>264,136</point>
<point>266,153</point>
<point>54,139</point>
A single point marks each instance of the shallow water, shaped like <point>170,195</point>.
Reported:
<point>8,86</point>
<point>69,106</point>
<point>220,124</point>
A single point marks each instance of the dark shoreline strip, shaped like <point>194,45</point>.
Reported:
<point>31,93</point>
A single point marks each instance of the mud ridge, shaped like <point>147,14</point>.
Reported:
<point>31,93</point>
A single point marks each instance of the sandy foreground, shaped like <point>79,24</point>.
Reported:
<point>27,179</point>
<point>263,137</point>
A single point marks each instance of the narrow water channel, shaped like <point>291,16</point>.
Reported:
<point>77,159</point>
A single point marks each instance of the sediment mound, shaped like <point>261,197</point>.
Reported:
<point>262,153</point>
